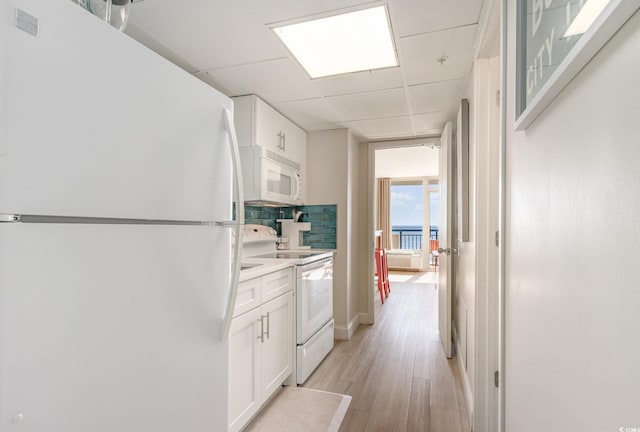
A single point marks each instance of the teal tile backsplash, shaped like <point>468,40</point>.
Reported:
<point>323,220</point>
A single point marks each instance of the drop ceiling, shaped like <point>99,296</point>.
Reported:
<point>229,45</point>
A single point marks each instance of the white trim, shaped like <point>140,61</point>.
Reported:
<point>502,212</point>
<point>343,332</point>
<point>487,138</point>
<point>485,28</point>
<point>365,318</point>
<point>371,178</point>
<point>341,411</point>
<point>466,386</point>
<point>604,27</point>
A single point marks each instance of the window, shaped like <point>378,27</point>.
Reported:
<point>407,215</point>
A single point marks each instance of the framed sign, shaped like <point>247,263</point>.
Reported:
<point>555,40</point>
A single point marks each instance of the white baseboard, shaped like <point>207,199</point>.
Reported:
<point>343,332</point>
<point>365,318</point>
<point>466,385</point>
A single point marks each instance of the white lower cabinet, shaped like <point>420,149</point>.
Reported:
<point>260,350</point>
<point>277,349</point>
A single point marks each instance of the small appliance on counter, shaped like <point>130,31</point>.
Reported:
<point>282,243</point>
<point>313,291</point>
<point>293,231</point>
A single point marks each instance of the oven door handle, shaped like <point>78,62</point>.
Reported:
<point>316,265</point>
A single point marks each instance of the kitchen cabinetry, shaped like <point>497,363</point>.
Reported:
<point>273,151</point>
<point>258,124</point>
<point>260,344</point>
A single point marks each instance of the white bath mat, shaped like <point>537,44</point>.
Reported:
<point>298,409</point>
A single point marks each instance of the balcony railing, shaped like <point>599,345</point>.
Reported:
<point>410,237</point>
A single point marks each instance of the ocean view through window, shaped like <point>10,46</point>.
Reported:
<point>407,215</point>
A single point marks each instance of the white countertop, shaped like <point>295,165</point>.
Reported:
<point>262,268</point>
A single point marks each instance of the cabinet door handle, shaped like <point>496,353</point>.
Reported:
<point>281,140</point>
<point>268,324</point>
<point>261,337</point>
<point>284,141</point>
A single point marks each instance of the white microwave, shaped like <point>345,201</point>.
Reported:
<point>270,180</point>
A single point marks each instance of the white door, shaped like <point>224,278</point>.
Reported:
<point>445,238</point>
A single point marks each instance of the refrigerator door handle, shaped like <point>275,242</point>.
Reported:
<point>235,224</point>
<point>9,218</point>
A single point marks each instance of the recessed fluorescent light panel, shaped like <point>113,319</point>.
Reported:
<point>349,42</point>
<point>587,15</point>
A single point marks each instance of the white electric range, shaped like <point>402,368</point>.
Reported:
<point>313,291</point>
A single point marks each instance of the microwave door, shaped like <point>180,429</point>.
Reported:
<point>279,183</point>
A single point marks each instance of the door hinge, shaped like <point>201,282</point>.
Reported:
<point>496,378</point>
<point>497,238</point>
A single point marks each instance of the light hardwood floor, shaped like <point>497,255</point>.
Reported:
<point>395,370</point>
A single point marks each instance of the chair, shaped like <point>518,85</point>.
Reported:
<point>382,270</point>
<point>433,248</point>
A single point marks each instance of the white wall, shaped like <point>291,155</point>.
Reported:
<point>399,162</point>
<point>332,178</point>
<point>573,242</point>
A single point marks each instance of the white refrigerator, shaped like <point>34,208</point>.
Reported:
<point>118,258</point>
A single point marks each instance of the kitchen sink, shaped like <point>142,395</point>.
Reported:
<point>245,266</point>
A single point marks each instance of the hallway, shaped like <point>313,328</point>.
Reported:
<point>396,370</point>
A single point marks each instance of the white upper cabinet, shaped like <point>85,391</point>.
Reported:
<point>273,152</point>
<point>258,124</point>
<point>270,127</point>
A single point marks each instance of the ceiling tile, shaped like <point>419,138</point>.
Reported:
<point>418,55</point>
<point>229,45</point>
<point>273,11</point>
<point>159,47</point>
<point>324,126</point>
<point>206,34</point>
<point>357,82</point>
<point>275,80</point>
<point>309,112</point>
<point>390,127</point>
<point>442,96</point>
<point>204,76</point>
<point>429,123</point>
<point>370,105</point>
<point>411,17</point>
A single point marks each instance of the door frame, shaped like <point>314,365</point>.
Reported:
<point>369,317</point>
<point>487,139</point>
<point>490,270</point>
